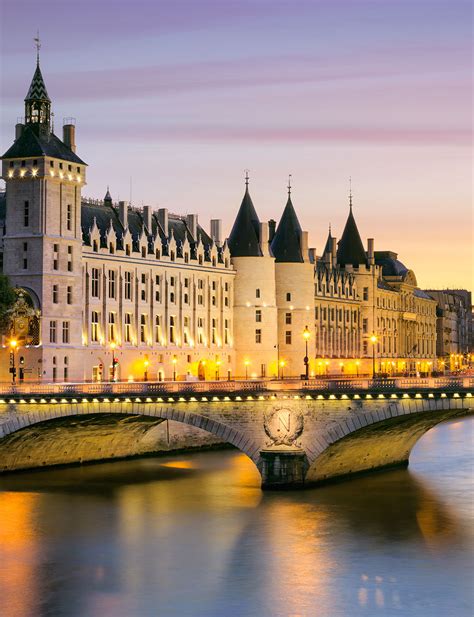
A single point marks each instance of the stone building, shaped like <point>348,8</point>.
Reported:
<point>110,291</point>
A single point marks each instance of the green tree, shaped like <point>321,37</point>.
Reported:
<point>7,301</point>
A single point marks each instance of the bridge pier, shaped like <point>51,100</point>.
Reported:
<point>283,469</point>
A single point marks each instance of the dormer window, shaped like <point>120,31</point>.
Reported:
<point>51,163</point>
<point>143,251</point>
<point>95,246</point>
<point>60,165</point>
<point>127,249</point>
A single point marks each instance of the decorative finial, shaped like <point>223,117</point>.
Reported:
<point>52,122</point>
<point>350,192</point>
<point>38,46</point>
<point>329,228</point>
<point>289,185</point>
<point>246,178</point>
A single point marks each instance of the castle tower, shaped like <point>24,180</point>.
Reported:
<point>294,275</point>
<point>255,313</point>
<point>42,245</point>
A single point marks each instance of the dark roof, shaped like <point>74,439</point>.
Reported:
<point>30,144</point>
<point>245,234</point>
<point>286,245</point>
<point>350,249</point>
<point>37,91</point>
<point>419,293</point>
<point>391,266</point>
<point>327,248</point>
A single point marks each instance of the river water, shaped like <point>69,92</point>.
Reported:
<point>193,535</point>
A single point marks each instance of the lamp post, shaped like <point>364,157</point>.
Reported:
<point>247,362</point>
<point>146,364</point>
<point>357,367</point>
<point>306,336</point>
<point>282,366</point>
<point>373,340</point>
<point>112,349</point>
<point>13,346</point>
<point>218,363</point>
<point>174,367</point>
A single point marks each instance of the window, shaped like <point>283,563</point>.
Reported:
<point>365,326</point>
<point>69,217</point>
<point>172,281</point>
<point>157,253</point>
<point>128,286</point>
<point>214,331</point>
<point>55,294</point>
<point>25,255</point>
<point>55,369</point>
<point>112,327</point>
<point>143,251</point>
<point>69,258</point>
<point>288,297</point>
<point>158,329</point>
<point>186,330</point>
<point>128,328</point>
<point>200,284</point>
<point>365,294</point>
<point>226,331</point>
<point>69,295</point>
<point>66,368</point>
<point>95,283</point>
<point>214,287</point>
<point>258,336</point>
<point>112,284</point>
<point>258,315</point>
<point>365,348</point>
<point>172,297</point>
<point>288,318</point>
<point>51,163</point>
<point>257,293</point>
<point>52,331</point>
<point>127,249</point>
<point>55,256</point>
<point>172,329</point>
<point>95,327</point>
<point>186,298</point>
<point>65,332</point>
<point>95,246</point>
<point>26,213</point>
<point>143,329</point>
<point>316,312</point>
<point>288,337</point>
<point>157,279</point>
<point>111,248</point>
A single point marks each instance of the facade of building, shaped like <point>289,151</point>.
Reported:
<point>109,291</point>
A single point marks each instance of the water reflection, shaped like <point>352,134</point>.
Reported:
<point>194,535</point>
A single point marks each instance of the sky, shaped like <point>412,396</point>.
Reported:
<point>174,99</point>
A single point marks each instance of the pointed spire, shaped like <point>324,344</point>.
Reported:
<point>286,245</point>
<point>350,193</point>
<point>37,101</point>
<point>327,248</point>
<point>350,249</point>
<point>244,239</point>
<point>108,197</point>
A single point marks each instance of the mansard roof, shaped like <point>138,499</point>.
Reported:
<point>37,90</point>
<point>286,245</point>
<point>31,144</point>
<point>245,235</point>
<point>350,249</point>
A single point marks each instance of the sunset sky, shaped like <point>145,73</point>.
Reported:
<point>184,95</point>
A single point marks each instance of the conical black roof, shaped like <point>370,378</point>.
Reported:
<point>350,249</point>
<point>327,248</point>
<point>244,237</point>
<point>286,245</point>
<point>37,91</point>
<point>108,197</point>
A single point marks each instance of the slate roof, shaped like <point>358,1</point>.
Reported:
<point>286,245</point>
<point>350,249</point>
<point>391,266</point>
<point>327,248</point>
<point>30,144</point>
<point>244,237</point>
<point>37,91</point>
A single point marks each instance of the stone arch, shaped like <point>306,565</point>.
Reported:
<point>379,438</point>
<point>119,423</point>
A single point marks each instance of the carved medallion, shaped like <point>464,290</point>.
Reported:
<point>283,426</point>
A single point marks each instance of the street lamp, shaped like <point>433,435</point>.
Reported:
<point>247,362</point>
<point>282,366</point>
<point>13,346</point>
<point>218,363</point>
<point>357,367</point>
<point>306,336</point>
<point>112,349</point>
<point>146,364</point>
<point>175,360</point>
<point>373,340</point>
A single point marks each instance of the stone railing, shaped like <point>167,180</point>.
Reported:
<point>253,385</point>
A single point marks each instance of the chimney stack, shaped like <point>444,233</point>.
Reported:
<point>312,256</point>
<point>304,245</point>
<point>334,252</point>
<point>264,238</point>
<point>271,229</point>
<point>123,213</point>
<point>192,223</point>
<point>19,130</point>
<point>147,214</point>
<point>370,251</point>
<point>216,231</point>
<point>163,220</point>
<point>69,136</point>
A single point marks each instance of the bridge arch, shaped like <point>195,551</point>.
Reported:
<point>378,439</point>
<point>109,430</point>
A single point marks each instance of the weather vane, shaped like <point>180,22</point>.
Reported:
<point>247,177</point>
<point>38,45</point>
<point>350,191</point>
<point>289,185</point>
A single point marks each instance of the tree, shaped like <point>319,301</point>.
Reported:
<point>7,301</point>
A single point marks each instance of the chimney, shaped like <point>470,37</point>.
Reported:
<point>163,220</point>
<point>312,256</point>
<point>264,237</point>
<point>216,231</point>
<point>192,223</point>
<point>123,213</point>
<point>19,128</point>
<point>147,217</point>
<point>272,229</point>
<point>334,252</point>
<point>69,136</point>
<point>304,245</point>
<point>370,251</point>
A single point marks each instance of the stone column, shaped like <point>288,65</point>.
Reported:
<point>283,469</point>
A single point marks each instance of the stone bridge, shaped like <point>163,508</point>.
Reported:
<point>294,436</point>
